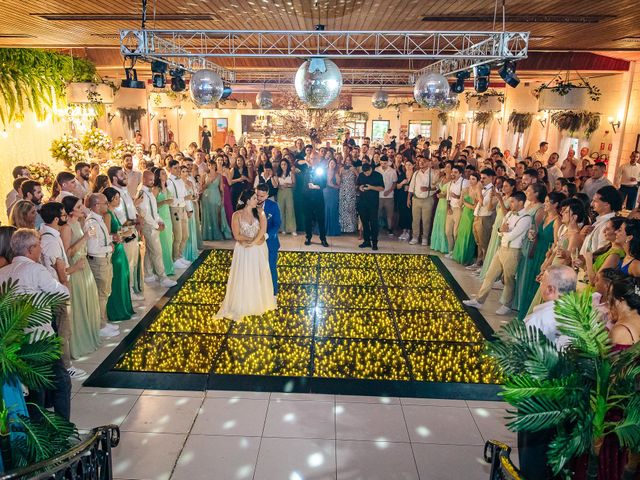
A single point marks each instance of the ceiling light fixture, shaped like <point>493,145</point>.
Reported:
<point>508,73</point>
<point>481,75</point>
<point>131,76</point>
<point>177,81</point>
<point>458,86</point>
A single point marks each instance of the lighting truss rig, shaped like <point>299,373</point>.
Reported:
<point>354,78</point>
<point>451,51</point>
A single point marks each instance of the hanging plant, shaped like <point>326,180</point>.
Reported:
<point>483,98</point>
<point>443,117</point>
<point>132,116</point>
<point>482,118</point>
<point>32,79</point>
<point>562,86</point>
<point>519,121</point>
<point>573,122</point>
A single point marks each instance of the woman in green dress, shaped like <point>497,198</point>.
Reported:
<point>164,199</point>
<point>214,220</point>
<point>190,252</point>
<point>508,187</point>
<point>539,239</point>
<point>438,235</point>
<point>464,250</point>
<point>119,306</point>
<point>608,256</point>
<point>85,306</point>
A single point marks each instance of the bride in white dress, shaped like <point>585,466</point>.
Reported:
<point>250,288</point>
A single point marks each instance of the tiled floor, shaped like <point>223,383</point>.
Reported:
<point>273,436</point>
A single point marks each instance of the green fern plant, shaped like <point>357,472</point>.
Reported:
<point>574,391</point>
<point>27,358</point>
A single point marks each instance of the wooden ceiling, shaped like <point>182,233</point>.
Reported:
<point>23,23</point>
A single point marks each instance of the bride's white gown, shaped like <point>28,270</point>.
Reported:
<point>250,288</point>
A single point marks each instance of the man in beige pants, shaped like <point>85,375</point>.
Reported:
<point>99,250</point>
<point>454,202</point>
<point>422,188</point>
<point>484,215</point>
<point>505,262</point>
<point>152,225</point>
<point>178,191</point>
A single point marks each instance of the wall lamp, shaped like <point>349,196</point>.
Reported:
<point>615,125</point>
<point>542,119</point>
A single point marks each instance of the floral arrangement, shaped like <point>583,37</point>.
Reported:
<point>96,140</point>
<point>67,149</point>
<point>42,173</point>
<point>121,148</point>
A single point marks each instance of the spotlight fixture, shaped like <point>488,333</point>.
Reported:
<point>481,80</point>
<point>177,81</point>
<point>508,73</point>
<point>158,69</point>
<point>131,76</point>
<point>458,86</point>
<point>615,125</point>
<point>226,92</point>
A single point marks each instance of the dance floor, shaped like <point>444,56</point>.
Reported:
<point>347,323</point>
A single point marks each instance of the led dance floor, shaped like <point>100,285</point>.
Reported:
<point>347,323</point>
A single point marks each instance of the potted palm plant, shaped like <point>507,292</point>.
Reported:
<point>26,357</point>
<point>587,393</point>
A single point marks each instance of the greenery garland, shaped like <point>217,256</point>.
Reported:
<point>482,118</point>
<point>562,87</point>
<point>567,120</point>
<point>33,79</point>
<point>519,121</point>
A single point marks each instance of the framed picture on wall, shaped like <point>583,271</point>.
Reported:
<point>420,127</point>
<point>378,129</point>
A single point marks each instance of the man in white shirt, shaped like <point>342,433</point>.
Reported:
<point>483,215</point>
<point>128,217</point>
<point>627,179</point>
<point>178,191</point>
<point>134,176</point>
<point>553,170</point>
<point>390,177</point>
<point>83,171</point>
<point>597,180</point>
<point>606,202</point>
<point>454,205</point>
<point>422,189</point>
<point>33,278</point>
<point>68,186</point>
<point>513,230</point>
<point>99,250</point>
<point>541,154</point>
<point>152,225</point>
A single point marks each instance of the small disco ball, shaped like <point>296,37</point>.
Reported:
<point>431,90</point>
<point>380,99</point>
<point>449,103</point>
<point>205,87</point>
<point>264,100</point>
<point>318,82</point>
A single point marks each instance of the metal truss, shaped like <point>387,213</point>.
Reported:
<point>364,78</point>
<point>472,48</point>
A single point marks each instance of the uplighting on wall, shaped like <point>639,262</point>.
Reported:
<point>614,124</point>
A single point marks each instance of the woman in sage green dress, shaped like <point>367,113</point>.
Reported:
<point>119,306</point>
<point>85,306</point>
<point>190,252</point>
<point>536,194</point>
<point>464,250</point>
<point>214,220</point>
<point>438,234</point>
<point>164,199</point>
<point>508,187</point>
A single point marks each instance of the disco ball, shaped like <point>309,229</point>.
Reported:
<point>264,99</point>
<point>449,103</point>
<point>431,89</point>
<point>206,87</point>
<point>318,82</point>
<point>380,99</point>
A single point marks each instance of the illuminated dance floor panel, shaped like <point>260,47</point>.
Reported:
<point>370,324</point>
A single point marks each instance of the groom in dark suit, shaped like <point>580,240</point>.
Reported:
<point>272,212</point>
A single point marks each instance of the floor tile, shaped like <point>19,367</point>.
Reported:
<point>156,414</point>
<point>485,404</point>
<point>217,457</point>
<point>296,459</point>
<point>367,399</point>
<point>90,410</point>
<point>375,461</point>
<point>174,393</point>
<point>111,391</point>
<point>231,416</point>
<point>317,397</point>
<point>447,462</point>
<point>237,394</point>
<point>370,421</point>
<point>442,425</point>
<point>148,456</point>
<point>435,402</point>
<point>300,419</point>
<point>491,422</point>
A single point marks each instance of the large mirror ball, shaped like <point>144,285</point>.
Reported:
<point>318,82</point>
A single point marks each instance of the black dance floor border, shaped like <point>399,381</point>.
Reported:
<point>106,376</point>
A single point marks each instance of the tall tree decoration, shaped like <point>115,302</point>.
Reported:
<point>482,119</point>
<point>519,122</point>
<point>297,120</point>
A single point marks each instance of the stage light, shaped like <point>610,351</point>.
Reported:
<point>458,86</point>
<point>158,66</point>
<point>481,80</point>
<point>226,92</point>
<point>131,80</point>
<point>177,81</point>
<point>159,80</point>
<point>508,73</point>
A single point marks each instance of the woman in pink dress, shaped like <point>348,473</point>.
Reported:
<point>223,166</point>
